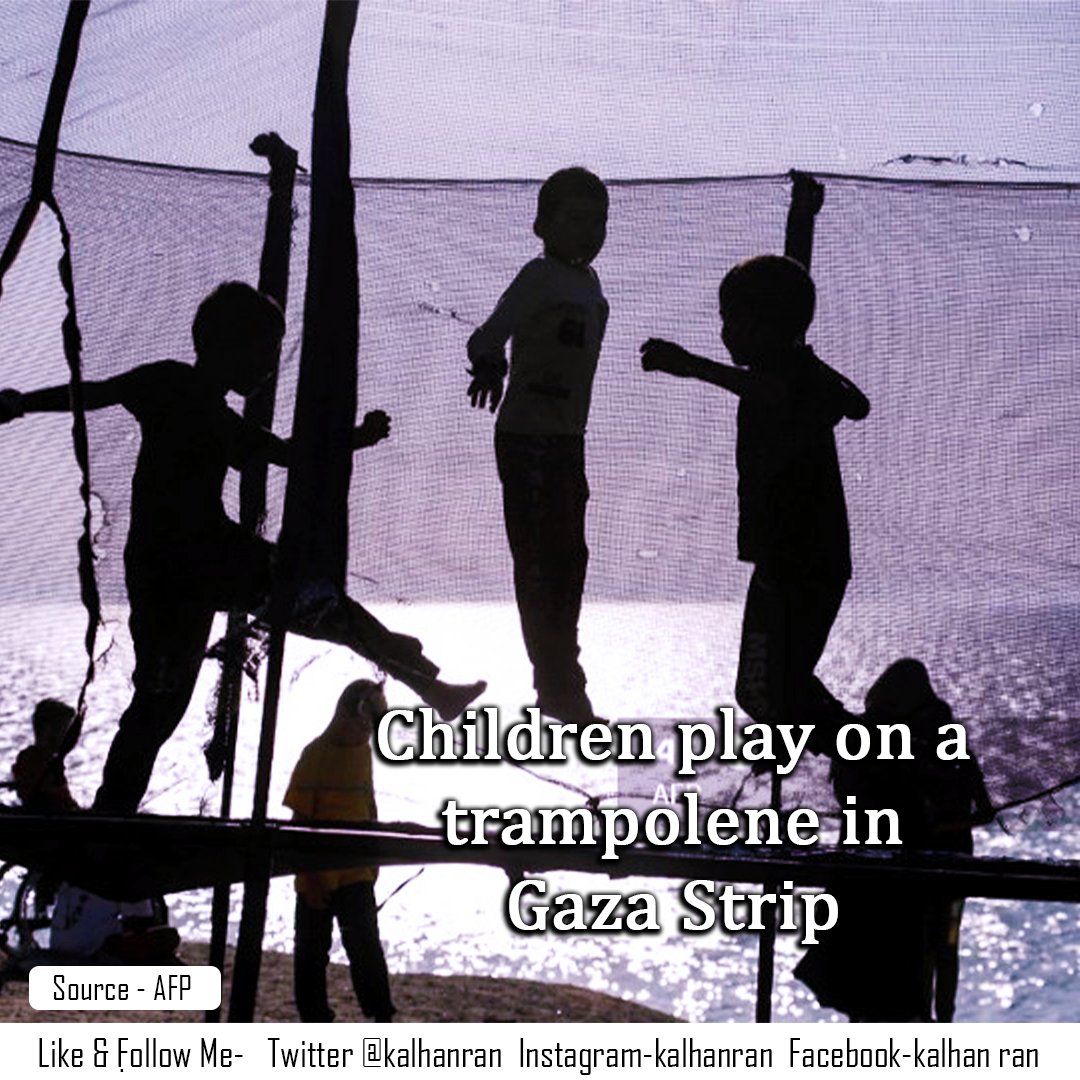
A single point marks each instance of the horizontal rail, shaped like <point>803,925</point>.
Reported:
<point>176,854</point>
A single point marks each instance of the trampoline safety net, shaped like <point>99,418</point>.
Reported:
<point>950,303</point>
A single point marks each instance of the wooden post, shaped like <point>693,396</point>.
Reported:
<point>314,538</point>
<point>41,194</point>
<point>259,410</point>
<point>41,186</point>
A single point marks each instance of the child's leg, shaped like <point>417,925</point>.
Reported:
<point>325,613</point>
<point>560,678</point>
<point>785,629</point>
<point>343,621</point>
<point>311,954</point>
<point>948,961</point>
<point>520,471</point>
<point>169,640</point>
<point>566,560</point>
<point>357,915</point>
<point>544,498</point>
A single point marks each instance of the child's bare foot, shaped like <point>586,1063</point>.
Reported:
<point>450,700</point>
<point>574,708</point>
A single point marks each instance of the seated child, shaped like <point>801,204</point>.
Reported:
<point>38,773</point>
<point>93,928</point>
<point>83,924</point>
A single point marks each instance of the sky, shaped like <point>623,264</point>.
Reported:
<point>632,88</point>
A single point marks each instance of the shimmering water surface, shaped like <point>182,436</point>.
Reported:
<point>1019,960</point>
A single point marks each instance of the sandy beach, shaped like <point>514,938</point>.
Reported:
<point>419,999</point>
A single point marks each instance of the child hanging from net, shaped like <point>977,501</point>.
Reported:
<point>185,559</point>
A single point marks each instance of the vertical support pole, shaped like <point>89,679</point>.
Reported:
<point>314,535</point>
<point>766,969</point>
<point>41,194</point>
<point>807,197</point>
<point>248,960</point>
<point>258,410</point>
<point>41,186</point>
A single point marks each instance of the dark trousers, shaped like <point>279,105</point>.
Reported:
<point>353,906</point>
<point>786,625</point>
<point>544,498</point>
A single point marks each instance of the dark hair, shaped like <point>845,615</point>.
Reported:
<point>232,314</point>
<point>50,714</point>
<point>900,689</point>
<point>354,695</point>
<point>566,184</point>
<point>770,288</point>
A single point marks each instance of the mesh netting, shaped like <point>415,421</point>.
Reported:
<point>947,303</point>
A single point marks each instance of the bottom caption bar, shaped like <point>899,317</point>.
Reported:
<point>623,1051</point>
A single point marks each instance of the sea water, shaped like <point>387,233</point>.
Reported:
<point>1019,959</point>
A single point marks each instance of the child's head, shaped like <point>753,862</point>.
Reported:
<point>766,304</point>
<point>237,333</point>
<point>52,721</point>
<point>360,707</point>
<point>571,215</point>
<point>900,690</point>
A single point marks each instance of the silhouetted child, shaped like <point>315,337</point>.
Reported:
<point>185,559</point>
<point>38,773</point>
<point>554,313</point>
<point>793,523</point>
<point>82,924</point>
<point>944,800</point>
<point>893,955</point>
<point>332,782</point>
<point>40,778</point>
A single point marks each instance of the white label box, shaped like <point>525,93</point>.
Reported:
<point>100,987</point>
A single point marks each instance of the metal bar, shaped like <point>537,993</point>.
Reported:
<point>314,536</point>
<point>248,959</point>
<point>258,410</point>
<point>186,853</point>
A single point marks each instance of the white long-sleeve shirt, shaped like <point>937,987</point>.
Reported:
<point>554,315</point>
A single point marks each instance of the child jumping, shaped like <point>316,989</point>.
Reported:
<point>793,524</point>
<point>554,313</point>
<point>185,559</point>
<point>332,782</point>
